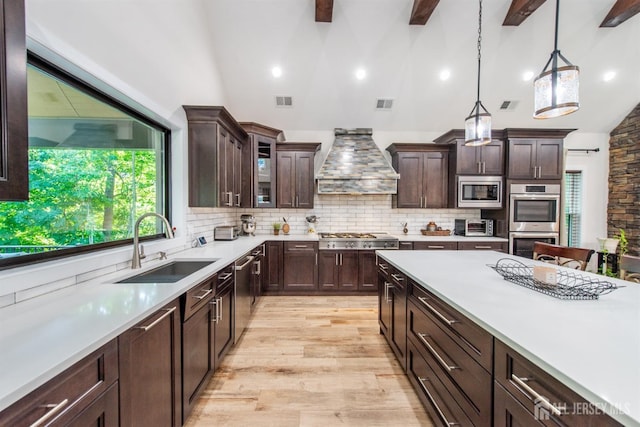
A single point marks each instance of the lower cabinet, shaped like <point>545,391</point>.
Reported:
<point>431,246</point>
<point>338,270</point>
<point>150,370</point>
<point>273,267</point>
<point>392,309</point>
<point>367,274</point>
<point>480,246</point>
<point>300,266</point>
<point>84,394</point>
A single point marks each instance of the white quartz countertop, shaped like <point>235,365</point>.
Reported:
<point>41,337</point>
<point>591,346</point>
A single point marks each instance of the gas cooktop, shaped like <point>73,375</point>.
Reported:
<point>352,240</point>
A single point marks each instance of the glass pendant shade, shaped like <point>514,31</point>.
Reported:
<point>556,92</point>
<point>477,128</point>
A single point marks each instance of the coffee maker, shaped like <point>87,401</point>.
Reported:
<point>248,224</point>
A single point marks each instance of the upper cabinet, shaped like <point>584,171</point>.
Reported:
<point>535,153</point>
<point>259,165</point>
<point>295,174</point>
<point>482,160</point>
<point>14,168</point>
<point>215,157</point>
<point>423,170</point>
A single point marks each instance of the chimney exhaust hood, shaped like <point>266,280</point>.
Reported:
<point>355,165</point>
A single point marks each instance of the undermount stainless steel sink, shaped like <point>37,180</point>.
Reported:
<point>169,273</point>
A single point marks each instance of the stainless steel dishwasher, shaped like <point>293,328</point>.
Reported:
<point>242,295</point>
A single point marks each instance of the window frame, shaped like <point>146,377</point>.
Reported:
<point>76,82</point>
<point>567,202</point>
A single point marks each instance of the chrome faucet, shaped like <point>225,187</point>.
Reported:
<point>138,254</point>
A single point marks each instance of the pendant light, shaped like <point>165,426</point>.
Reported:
<point>477,127</point>
<point>556,90</point>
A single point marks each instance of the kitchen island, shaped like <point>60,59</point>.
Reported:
<point>592,347</point>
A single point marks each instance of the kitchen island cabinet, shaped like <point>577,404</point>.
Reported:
<point>295,174</point>
<point>150,370</point>
<point>568,367</point>
<point>392,309</point>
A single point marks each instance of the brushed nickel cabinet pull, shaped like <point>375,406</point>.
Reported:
<point>482,247</point>
<point>237,199</point>
<point>387,287</point>
<point>449,322</point>
<point>225,276</point>
<point>337,259</point>
<point>158,320</point>
<point>538,398</point>
<point>257,268</point>
<point>214,315</point>
<point>435,405</point>
<point>219,308</point>
<point>435,247</point>
<point>300,246</point>
<point>55,408</point>
<point>383,267</point>
<point>423,338</point>
<point>207,292</point>
<point>240,267</point>
<point>398,278</point>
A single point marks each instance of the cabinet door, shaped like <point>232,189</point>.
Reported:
<point>367,273</point>
<point>328,265</point>
<point>508,412</point>
<point>410,191</point>
<point>204,175</point>
<point>467,161</point>
<point>150,366</point>
<point>286,179</point>
<point>196,356</point>
<point>223,324</point>
<point>435,179</point>
<point>274,266</point>
<point>398,333</point>
<point>300,266</point>
<point>348,272</point>
<point>304,180</point>
<point>522,154</point>
<point>237,173</point>
<point>492,158</point>
<point>225,167</point>
<point>475,246</point>
<point>14,169</point>
<point>264,186</point>
<point>432,246</point>
<point>549,159</point>
<point>384,305</point>
<point>101,412</point>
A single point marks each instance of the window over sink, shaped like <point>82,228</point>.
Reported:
<point>95,165</point>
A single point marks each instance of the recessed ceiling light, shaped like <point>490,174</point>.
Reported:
<point>608,76</point>
<point>527,76</point>
<point>445,74</point>
<point>276,72</point>
<point>361,73</point>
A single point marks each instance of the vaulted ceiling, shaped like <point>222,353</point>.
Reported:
<point>404,45</point>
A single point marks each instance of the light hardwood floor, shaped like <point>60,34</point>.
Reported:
<point>310,361</point>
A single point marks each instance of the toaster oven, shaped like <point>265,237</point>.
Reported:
<point>473,227</point>
<point>226,232</point>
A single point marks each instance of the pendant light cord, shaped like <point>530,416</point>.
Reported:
<point>479,48</point>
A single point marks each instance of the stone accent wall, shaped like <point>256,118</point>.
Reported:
<point>623,210</point>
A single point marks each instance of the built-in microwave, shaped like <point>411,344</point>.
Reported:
<point>473,227</point>
<point>482,192</point>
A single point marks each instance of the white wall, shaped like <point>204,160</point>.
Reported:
<point>595,174</point>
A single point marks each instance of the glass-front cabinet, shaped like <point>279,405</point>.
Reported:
<point>259,157</point>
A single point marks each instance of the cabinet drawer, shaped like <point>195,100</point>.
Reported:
<point>475,246</point>
<point>467,381</point>
<point>69,393</point>
<point>383,267</point>
<point>225,276</point>
<point>508,412</point>
<point>198,296</point>
<point>300,246</point>
<point>434,246</point>
<point>475,341</point>
<point>398,279</point>
<point>405,246</point>
<point>432,392</point>
<point>542,394</point>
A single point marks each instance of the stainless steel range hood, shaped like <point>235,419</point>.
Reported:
<point>355,165</point>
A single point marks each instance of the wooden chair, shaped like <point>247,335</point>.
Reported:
<point>630,268</point>
<point>577,258</point>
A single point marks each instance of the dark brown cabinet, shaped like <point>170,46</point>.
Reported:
<point>392,309</point>
<point>257,275</point>
<point>295,174</point>
<point>272,280</point>
<point>197,342</point>
<point>423,170</point>
<point>300,266</point>
<point>535,153</point>
<point>433,246</point>
<point>150,367</point>
<point>338,270</point>
<point>480,246</point>
<point>223,315</point>
<point>367,274</point>
<point>14,169</point>
<point>82,394</point>
<point>215,157</point>
<point>482,160</point>
<point>259,166</point>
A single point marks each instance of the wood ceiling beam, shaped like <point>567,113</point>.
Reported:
<point>324,10</point>
<point>620,12</point>
<point>422,10</point>
<point>520,10</point>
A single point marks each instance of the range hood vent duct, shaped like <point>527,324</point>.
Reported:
<point>355,165</point>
